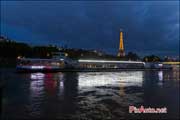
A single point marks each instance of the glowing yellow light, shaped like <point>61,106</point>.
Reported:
<point>121,46</point>
<point>174,63</point>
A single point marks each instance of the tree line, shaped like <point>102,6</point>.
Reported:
<point>10,50</point>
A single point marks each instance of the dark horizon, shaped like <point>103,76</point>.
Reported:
<point>149,27</point>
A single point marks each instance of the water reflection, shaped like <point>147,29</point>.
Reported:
<point>37,76</point>
<point>36,86</point>
<point>95,79</point>
<point>121,90</point>
<point>171,75</point>
<point>47,81</point>
<point>160,77</point>
<point>53,91</point>
<point>89,95</point>
<point>70,82</point>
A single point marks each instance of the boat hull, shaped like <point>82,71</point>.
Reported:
<point>23,70</point>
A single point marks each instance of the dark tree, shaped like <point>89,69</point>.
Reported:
<point>132,56</point>
<point>151,58</point>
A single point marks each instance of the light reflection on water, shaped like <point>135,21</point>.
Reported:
<point>89,95</point>
<point>95,79</point>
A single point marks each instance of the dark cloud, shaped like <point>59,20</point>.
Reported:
<point>149,27</point>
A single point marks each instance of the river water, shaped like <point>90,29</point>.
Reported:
<point>89,95</point>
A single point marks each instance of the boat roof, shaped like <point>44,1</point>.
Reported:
<point>38,59</point>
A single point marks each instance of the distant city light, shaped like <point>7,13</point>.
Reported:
<point>66,54</point>
<point>18,57</point>
<point>173,63</point>
<point>160,65</point>
<point>48,54</point>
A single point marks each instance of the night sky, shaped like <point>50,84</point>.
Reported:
<point>149,27</point>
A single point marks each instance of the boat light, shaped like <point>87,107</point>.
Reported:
<point>109,61</point>
<point>37,67</point>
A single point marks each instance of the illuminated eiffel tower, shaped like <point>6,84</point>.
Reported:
<point>121,52</point>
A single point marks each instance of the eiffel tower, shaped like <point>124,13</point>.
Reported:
<point>121,52</point>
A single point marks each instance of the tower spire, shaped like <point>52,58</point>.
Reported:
<point>121,52</point>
